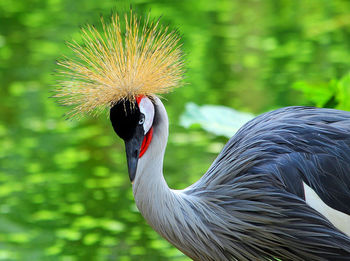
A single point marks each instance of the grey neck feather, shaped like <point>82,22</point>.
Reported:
<point>149,184</point>
<point>150,189</point>
<point>170,212</point>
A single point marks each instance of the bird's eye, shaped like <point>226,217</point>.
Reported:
<point>142,119</point>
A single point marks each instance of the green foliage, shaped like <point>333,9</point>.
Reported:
<point>64,188</point>
<point>333,94</point>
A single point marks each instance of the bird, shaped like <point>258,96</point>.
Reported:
<point>278,190</point>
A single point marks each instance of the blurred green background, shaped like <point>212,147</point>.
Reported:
<point>64,187</point>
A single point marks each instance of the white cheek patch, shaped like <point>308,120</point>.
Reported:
<point>147,108</point>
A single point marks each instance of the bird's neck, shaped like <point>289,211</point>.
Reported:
<point>150,188</point>
<point>167,211</point>
<point>155,200</point>
<point>171,212</point>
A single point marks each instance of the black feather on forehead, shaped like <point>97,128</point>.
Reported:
<point>124,116</point>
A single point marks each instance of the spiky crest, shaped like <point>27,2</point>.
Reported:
<point>121,62</point>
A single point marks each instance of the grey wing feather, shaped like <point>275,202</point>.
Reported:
<point>297,144</point>
<point>257,180</point>
<point>317,152</point>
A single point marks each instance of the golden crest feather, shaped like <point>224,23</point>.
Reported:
<point>120,62</point>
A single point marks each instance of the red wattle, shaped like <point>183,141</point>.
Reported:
<point>139,98</point>
<point>146,141</point>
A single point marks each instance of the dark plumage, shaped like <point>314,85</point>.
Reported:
<point>258,178</point>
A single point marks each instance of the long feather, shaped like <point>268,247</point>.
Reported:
<point>124,60</point>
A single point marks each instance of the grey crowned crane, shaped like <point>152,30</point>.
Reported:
<point>279,189</point>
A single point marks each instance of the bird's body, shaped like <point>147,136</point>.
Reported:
<point>250,205</point>
<point>280,188</point>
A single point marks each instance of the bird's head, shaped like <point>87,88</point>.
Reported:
<point>133,122</point>
<point>122,68</point>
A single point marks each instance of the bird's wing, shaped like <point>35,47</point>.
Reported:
<point>258,180</point>
<point>297,145</point>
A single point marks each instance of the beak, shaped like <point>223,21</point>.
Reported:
<point>132,148</point>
